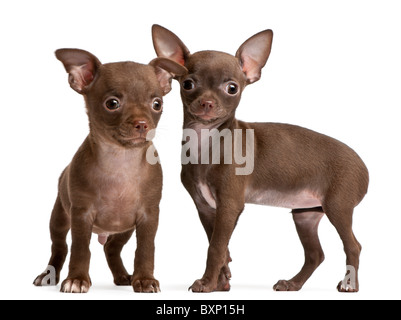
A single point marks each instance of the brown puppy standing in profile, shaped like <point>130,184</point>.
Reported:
<point>294,167</point>
<point>110,188</point>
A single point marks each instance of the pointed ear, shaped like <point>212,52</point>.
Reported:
<point>168,45</point>
<point>166,70</point>
<point>81,67</point>
<point>253,54</point>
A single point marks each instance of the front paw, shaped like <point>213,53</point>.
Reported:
<point>47,278</point>
<point>202,285</point>
<point>75,286</point>
<point>284,285</point>
<point>345,286</point>
<point>146,286</point>
<point>123,280</point>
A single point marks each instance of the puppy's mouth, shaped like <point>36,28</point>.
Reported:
<point>132,141</point>
<point>136,140</point>
<point>205,117</point>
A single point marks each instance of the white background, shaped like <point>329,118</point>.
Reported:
<point>335,67</point>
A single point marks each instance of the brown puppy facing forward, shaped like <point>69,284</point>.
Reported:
<point>285,165</point>
<point>110,188</point>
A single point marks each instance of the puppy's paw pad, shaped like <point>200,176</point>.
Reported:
<point>146,286</point>
<point>75,286</point>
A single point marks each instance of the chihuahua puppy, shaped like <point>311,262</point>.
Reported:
<point>294,167</point>
<point>109,188</point>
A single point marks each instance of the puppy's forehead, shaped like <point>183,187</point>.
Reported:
<point>129,76</point>
<point>214,63</point>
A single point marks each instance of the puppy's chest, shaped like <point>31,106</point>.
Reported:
<point>117,192</point>
<point>118,200</point>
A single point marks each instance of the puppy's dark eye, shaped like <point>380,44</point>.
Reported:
<point>157,104</point>
<point>188,85</point>
<point>112,104</point>
<point>232,88</point>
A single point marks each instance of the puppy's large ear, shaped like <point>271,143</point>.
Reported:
<point>81,67</point>
<point>253,54</point>
<point>168,45</point>
<point>166,70</point>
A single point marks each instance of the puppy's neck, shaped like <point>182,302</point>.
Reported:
<point>111,155</point>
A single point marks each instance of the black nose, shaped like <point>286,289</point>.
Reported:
<point>141,126</point>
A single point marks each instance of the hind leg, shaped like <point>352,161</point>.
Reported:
<point>60,224</point>
<point>342,221</point>
<point>112,250</point>
<point>307,223</point>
